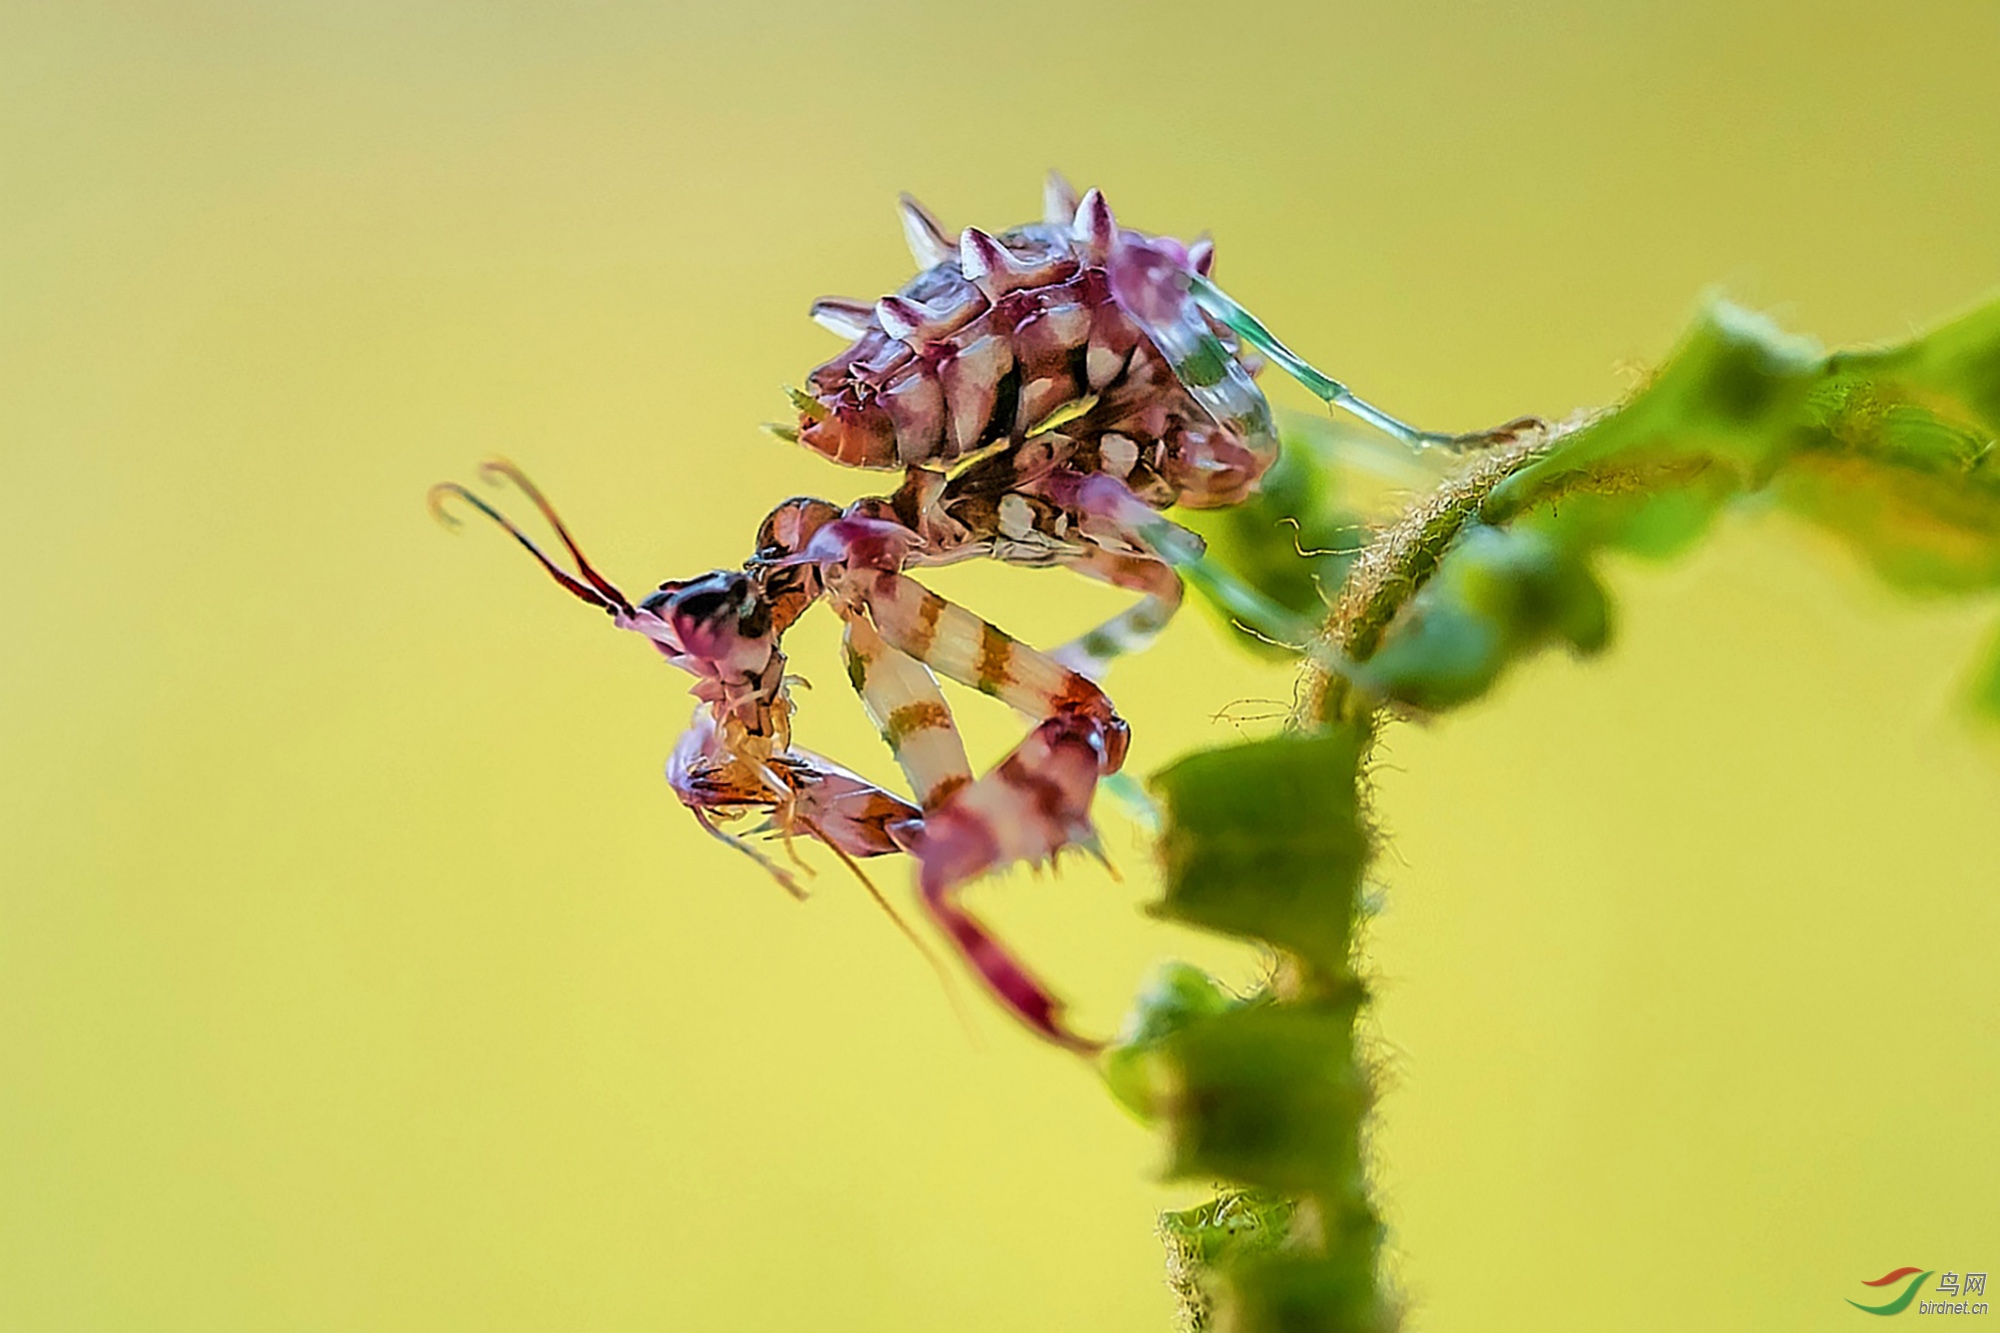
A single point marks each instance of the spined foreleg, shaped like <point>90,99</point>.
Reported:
<point>798,792</point>
<point>904,702</point>
<point>960,645</point>
<point>1033,804</point>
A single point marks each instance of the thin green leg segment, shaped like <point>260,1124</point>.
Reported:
<point>1250,329</point>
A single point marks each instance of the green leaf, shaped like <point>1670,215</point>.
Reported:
<point>1266,840</point>
<point>1174,997</point>
<point>1235,1228</point>
<point>1958,361</point>
<point>1892,451</point>
<point>1268,1095</point>
<point>1920,527</point>
<point>1233,1224</point>
<point>1740,404</point>
<point>1497,595</point>
<point>1283,1293</point>
<point>1729,400</point>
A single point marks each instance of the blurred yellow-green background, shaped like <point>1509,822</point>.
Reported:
<point>358,970</point>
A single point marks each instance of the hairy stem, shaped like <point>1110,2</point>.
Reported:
<point>1393,567</point>
<point>1894,451</point>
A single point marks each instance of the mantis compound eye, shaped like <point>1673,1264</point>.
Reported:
<point>714,614</point>
<point>787,529</point>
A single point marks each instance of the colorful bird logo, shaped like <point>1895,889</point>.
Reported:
<point>1902,1302</point>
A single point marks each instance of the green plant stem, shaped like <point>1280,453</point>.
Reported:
<point>1393,568</point>
<point>1893,451</point>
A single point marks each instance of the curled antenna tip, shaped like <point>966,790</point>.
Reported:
<point>434,500</point>
<point>591,587</point>
<point>498,469</point>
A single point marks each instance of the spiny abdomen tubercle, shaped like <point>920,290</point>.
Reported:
<point>975,369</point>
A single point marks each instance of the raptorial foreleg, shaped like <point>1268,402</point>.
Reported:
<point>904,702</point>
<point>797,791</point>
<point>960,645</point>
<point>1033,804</point>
